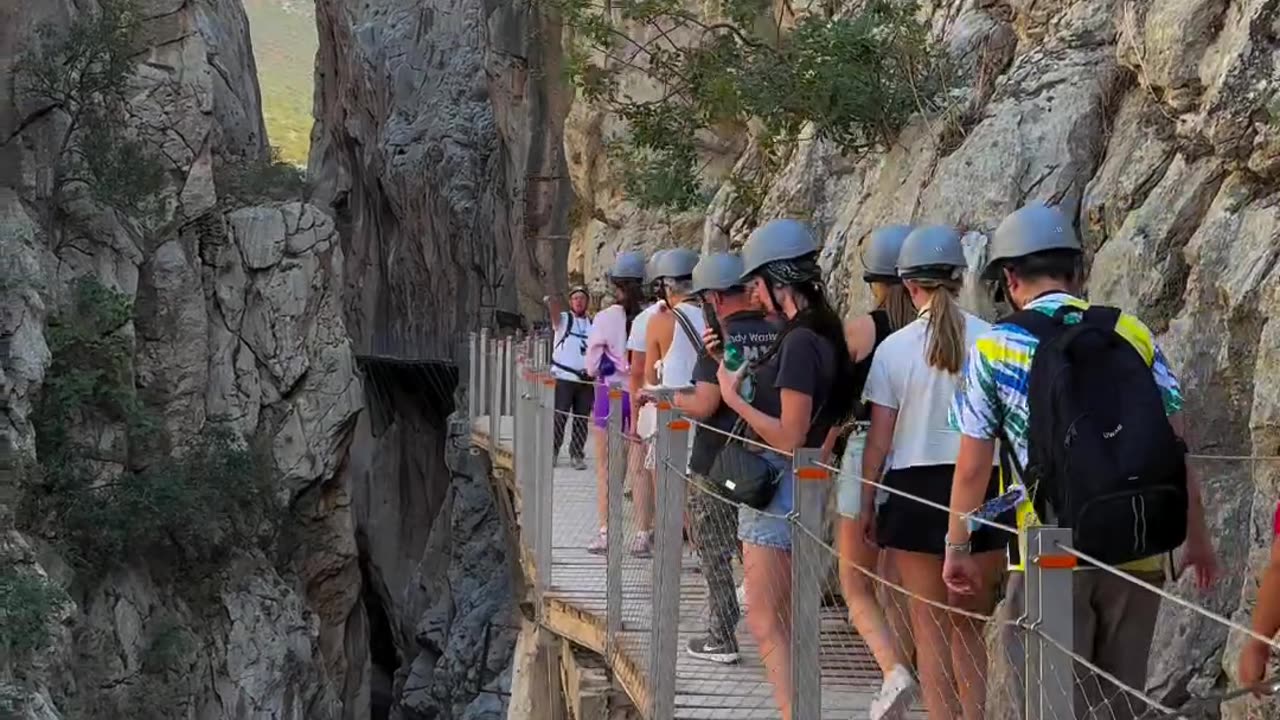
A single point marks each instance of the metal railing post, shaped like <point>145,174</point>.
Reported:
<point>617,445</point>
<point>546,480</point>
<point>809,495</point>
<point>509,378</point>
<point>482,373</point>
<point>671,453</point>
<point>473,376</point>
<point>495,396</point>
<point>1050,674</point>
<point>522,449</point>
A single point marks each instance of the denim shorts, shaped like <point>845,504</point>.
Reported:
<point>849,484</point>
<point>770,528</point>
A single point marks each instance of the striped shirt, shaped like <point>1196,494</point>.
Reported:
<point>993,395</point>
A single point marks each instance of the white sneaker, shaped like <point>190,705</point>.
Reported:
<point>895,696</point>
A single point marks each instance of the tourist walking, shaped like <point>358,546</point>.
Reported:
<point>889,638</point>
<point>913,378</point>
<point>606,361</point>
<point>574,393</point>
<point>790,399</point>
<point>1054,358</point>
<point>738,322</point>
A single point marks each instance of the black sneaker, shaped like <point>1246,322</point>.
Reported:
<point>712,650</point>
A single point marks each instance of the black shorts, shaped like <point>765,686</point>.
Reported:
<point>905,524</point>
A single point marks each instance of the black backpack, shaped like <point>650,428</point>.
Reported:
<point>1103,459</point>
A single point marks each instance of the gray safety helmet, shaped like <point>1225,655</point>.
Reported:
<point>675,263</point>
<point>651,267</point>
<point>1031,229</point>
<point>880,258</point>
<point>627,266</point>
<point>781,239</point>
<point>717,271</point>
<point>932,251</point>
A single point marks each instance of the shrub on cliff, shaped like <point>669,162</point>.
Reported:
<point>252,182</point>
<point>86,493</point>
<point>28,604</point>
<point>854,78</point>
<point>82,72</point>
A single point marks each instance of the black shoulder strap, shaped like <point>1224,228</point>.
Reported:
<point>883,329</point>
<point>1034,322</point>
<point>689,332</point>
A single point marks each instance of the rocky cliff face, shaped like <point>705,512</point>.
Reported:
<point>438,150</point>
<point>1153,124</point>
<point>234,322</point>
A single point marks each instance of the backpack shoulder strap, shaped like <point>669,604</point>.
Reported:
<point>568,325</point>
<point>689,332</point>
<point>1034,322</point>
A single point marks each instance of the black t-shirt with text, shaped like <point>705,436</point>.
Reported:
<point>755,334</point>
<point>805,363</point>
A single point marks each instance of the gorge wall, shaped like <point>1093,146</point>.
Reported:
<point>230,321</point>
<point>1154,125</point>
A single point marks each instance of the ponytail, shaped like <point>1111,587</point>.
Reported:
<point>896,303</point>
<point>819,317</point>
<point>946,348</point>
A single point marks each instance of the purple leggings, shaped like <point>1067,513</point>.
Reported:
<point>600,411</point>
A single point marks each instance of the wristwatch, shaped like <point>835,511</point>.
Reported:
<point>963,547</point>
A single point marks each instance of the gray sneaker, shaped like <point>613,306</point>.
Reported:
<point>579,463</point>
<point>642,545</point>
<point>600,543</point>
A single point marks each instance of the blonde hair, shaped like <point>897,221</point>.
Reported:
<point>946,349</point>
<point>895,301</point>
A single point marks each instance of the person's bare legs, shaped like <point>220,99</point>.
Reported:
<point>859,592</point>
<point>768,580</point>
<point>602,473</point>
<point>642,487</point>
<point>922,577</point>
<point>897,611</point>
<point>968,645</point>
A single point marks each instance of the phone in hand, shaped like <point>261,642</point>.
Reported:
<point>713,322</point>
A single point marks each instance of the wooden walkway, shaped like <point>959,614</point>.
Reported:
<point>574,607</point>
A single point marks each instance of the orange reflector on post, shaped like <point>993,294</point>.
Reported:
<point>1057,562</point>
<point>678,425</point>
<point>812,473</point>
<point>615,394</point>
<point>664,405</point>
<point>549,382</point>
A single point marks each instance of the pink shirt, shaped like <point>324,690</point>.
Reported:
<point>609,335</point>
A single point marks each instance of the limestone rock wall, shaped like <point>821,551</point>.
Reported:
<point>1154,124</point>
<point>237,320</point>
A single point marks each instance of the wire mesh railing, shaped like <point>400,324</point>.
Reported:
<point>814,620</point>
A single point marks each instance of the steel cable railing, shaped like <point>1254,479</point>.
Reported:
<point>666,627</point>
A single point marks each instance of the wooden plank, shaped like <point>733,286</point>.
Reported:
<point>575,609</point>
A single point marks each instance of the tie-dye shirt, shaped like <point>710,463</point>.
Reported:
<point>993,395</point>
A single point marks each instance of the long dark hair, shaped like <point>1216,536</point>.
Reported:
<point>819,317</point>
<point>632,298</point>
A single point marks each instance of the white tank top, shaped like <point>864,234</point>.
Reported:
<point>677,364</point>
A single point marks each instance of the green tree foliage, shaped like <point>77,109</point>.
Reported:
<point>253,181</point>
<point>83,72</point>
<point>204,503</point>
<point>27,606</point>
<point>854,78</point>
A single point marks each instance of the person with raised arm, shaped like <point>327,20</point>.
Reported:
<point>574,392</point>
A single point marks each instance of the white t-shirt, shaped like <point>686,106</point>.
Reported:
<point>677,364</point>
<point>902,379</point>
<point>639,327</point>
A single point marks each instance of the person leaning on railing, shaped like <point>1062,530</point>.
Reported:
<point>1036,256</point>
<point>795,399</point>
